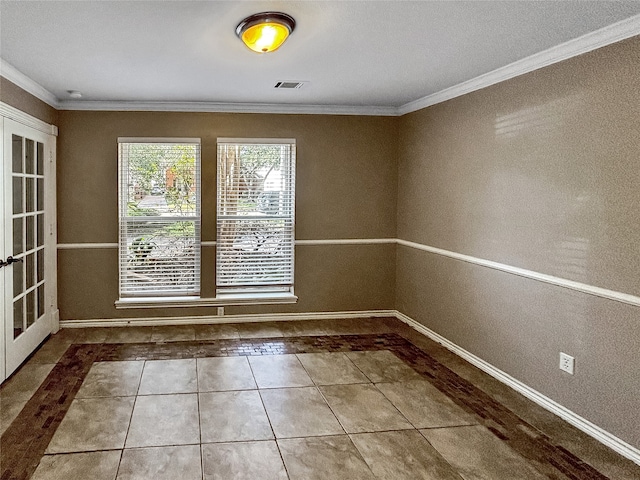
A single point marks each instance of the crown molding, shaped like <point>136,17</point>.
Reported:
<point>14,75</point>
<point>591,41</point>
<point>616,32</point>
<point>218,107</point>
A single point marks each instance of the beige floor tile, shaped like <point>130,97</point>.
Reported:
<point>477,454</point>
<point>91,335</point>
<point>215,332</point>
<point>173,333</point>
<point>383,366</point>
<point>224,373</point>
<point>65,335</point>
<point>299,412</point>
<point>259,330</point>
<point>331,369</point>
<point>129,335</point>
<point>403,455</point>
<point>169,376</point>
<point>93,424</point>
<point>355,326</point>
<point>50,352</point>
<point>323,458</point>
<point>279,371</point>
<point>9,410</point>
<point>362,408</point>
<point>161,463</point>
<point>384,324</point>
<point>112,379</point>
<point>243,461</point>
<point>90,465</point>
<point>393,324</point>
<point>425,406</point>
<point>233,416</point>
<point>24,383</point>
<point>160,420</point>
<point>303,328</point>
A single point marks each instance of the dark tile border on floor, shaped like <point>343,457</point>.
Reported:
<point>24,442</point>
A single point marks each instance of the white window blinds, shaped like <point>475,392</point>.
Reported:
<point>159,211</point>
<point>255,215</point>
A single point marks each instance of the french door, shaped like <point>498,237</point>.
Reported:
<point>27,248</point>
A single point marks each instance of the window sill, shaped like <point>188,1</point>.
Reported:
<point>220,301</point>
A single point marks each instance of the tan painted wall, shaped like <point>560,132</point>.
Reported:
<point>540,172</point>
<point>13,95</point>
<point>345,188</point>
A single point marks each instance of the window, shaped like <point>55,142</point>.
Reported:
<point>256,206</point>
<point>159,211</point>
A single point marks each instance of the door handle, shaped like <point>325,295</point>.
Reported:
<point>9,261</point>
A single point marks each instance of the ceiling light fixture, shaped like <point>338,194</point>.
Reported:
<point>265,32</point>
<point>74,93</point>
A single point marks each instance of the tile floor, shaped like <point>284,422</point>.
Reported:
<point>351,399</point>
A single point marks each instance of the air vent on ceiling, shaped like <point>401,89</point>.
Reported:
<point>289,85</point>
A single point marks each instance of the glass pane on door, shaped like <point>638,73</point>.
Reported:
<point>40,268</point>
<point>40,206</point>
<point>31,308</point>
<point>17,236</point>
<point>40,170</point>
<point>30,233</point>
<point>18,276</point>
<point>30,271</point>
<point>40,230</point>
<point>18,318</point>
<point>17,195</point>
<point>29,156</point>
<point>16,148</point>
<point>40,301</point>
<point>30,194</point>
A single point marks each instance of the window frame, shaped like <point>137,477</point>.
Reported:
<point>152,299</point>
<point>270,293</point>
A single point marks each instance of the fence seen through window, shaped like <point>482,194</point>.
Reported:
<point>159,211</point>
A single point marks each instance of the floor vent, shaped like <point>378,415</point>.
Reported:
<point>289,85</point>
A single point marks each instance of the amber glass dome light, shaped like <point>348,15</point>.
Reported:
<point>265,32</point>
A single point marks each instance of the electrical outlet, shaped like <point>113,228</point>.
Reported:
<point>566,363</point>
<point>220,311</point>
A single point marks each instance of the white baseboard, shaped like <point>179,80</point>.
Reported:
<point>545,402</point>
<point>220,319</point>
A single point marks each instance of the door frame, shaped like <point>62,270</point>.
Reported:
<point>51,289</point>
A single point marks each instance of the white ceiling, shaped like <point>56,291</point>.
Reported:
<point>354,54</point>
